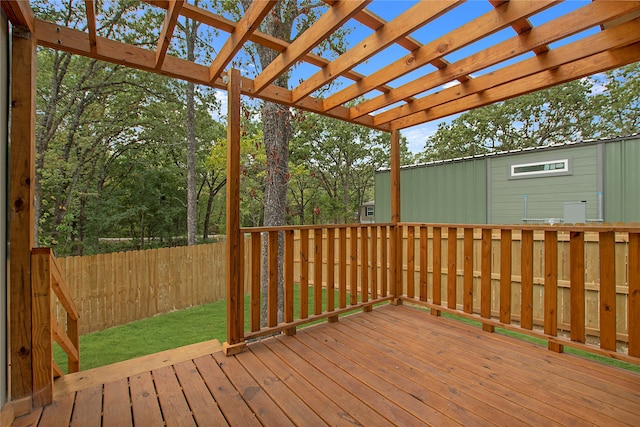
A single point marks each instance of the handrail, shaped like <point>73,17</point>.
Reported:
<point>46,277</point>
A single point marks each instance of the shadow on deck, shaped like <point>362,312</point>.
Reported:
<point>395,365</point>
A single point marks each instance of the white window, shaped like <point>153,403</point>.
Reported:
<point>370,211</point>
<point>553,167</point>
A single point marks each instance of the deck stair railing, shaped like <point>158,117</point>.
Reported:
<point>48,281</point>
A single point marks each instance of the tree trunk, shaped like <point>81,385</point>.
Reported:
<point>190,124</point>
<point>276,121</point>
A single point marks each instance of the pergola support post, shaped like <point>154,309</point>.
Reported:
<point>235,296</point>
<point>21,209</point>
<point>396,229</point>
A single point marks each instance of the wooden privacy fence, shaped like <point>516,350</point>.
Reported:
<point>118,288</point>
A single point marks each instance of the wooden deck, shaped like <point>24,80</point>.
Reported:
<point>393,366</point>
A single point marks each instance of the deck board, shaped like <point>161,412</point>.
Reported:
<point>396,365</point>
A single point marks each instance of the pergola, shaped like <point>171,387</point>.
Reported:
<point>595,37</point>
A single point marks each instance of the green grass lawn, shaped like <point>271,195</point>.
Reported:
<point>162,332</point>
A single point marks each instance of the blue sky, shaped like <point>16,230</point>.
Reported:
<point>387,9</point>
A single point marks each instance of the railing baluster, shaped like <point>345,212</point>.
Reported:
<point>288,279</point>
<point>331,244</point>
<point>634,294</point>
<point>576,277</point>
<point>467,298</point>
<point>526,280</point>
<point>304,273</point>
<point>505,276</point>
<point>384,273</point>
<point>424,264</point>
<point>437,268</point>
<point>551,287</point>
<point>452,270</point>
<point>343,268</point>
<point>373,261</point>
<point>353,256</point>
<point>364,264</point>
<point>485,278</point>
<point>411,263</point>
<point>272,281</point>
<point>607,290</point>
<point>317,270</point>
<point>256,260</point>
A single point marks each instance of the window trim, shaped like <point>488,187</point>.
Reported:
<point>366,211</point>
<point>566,170</point>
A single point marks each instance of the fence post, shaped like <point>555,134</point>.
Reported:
<point>396,229</point>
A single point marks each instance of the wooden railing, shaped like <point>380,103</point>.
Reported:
<point>465,254</point>
<point>46,281</point>
<point>344,267</point>
<point>575,286</point>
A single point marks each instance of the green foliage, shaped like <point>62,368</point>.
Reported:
<point>606,105</point>
<point>332,166</point>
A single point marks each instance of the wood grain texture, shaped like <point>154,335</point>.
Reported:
<point>394,365</point>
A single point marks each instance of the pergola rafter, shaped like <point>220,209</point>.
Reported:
<point>487,24</point>
<point>399,31</point>
<point>412,19</point>
<point>591,15</point>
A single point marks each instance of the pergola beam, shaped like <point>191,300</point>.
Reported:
<point>613,38</point>
<point>329,22</point>
<point>550,77</point>
<point>19,13</point>
<point>247,25</point>
<point>592,14</point>
<point>485,25</point>
<point>170,20</point>
<point>417,16</point>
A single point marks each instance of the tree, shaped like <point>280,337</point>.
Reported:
<point>286,19</point>
<point>549,116</point>
<point>340,159</point>
<point>617,108</point>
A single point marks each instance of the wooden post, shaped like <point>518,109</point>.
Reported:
<point>235,298</point>
<point>396,231</point>
<point>551,288</point>
<point>41,328</point>
<point>21,214</point>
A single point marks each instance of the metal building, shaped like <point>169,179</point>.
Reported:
<point>587,181</point>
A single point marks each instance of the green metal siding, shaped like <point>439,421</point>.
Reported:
<point>546,194</point>
<point>382,194</point>
<point>450,192</point>
<point>622,181</point>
